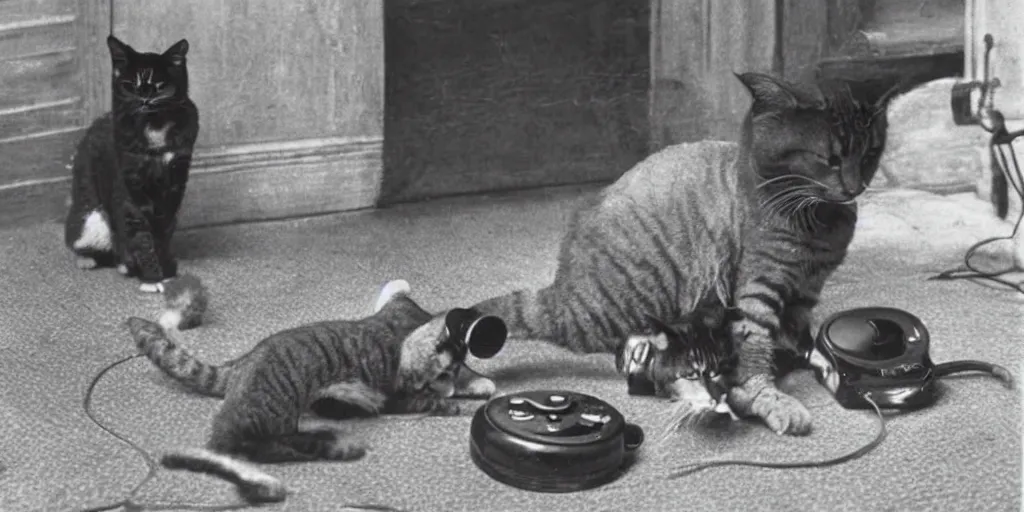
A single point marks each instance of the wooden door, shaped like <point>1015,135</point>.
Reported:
<point>696,46</point>
<point>290,98</point>
<point>53,69</point>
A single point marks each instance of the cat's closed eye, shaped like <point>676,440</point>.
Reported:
<point>690,374</point>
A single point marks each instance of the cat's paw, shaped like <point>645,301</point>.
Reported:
<point>780,412</point>
<point>122,269</point>
<point>85,263</point>
<point>390,290</point>
<point>445,408</point>
<point>355,394</point>
<point>151,288</point>
<point>476,387</point>
<point>348,449</point>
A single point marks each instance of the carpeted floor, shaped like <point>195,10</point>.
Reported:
<point>60,326</point>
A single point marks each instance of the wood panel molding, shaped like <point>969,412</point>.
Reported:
<point>260,181</point>
<point>243,182</point>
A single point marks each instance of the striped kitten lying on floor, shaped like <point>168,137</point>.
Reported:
<point>398,360</point>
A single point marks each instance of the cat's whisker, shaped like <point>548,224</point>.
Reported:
<point>773,204</point>
<point>785,194</point>
<point>810,213</point>
<point>791,177</point>
<point>777,179</point>
<point>785,205</point>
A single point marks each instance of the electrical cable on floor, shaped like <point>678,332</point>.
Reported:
<point>128,502</point>
<point>693,467</point>
<point>1015,180</point>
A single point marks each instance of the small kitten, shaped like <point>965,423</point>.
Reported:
<point>398,360</point>
<point>186,300</point>
<point>130,169</point>
<point>684,360</point>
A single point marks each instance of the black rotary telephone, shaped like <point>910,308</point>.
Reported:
<point>552,440</point>
<point>882,352</point>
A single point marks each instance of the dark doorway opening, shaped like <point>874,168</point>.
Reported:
<point>488,95</point>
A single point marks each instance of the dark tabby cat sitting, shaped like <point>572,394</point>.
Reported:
<point>759,225</point>
<point>398,360</point>
<point>129,171</point>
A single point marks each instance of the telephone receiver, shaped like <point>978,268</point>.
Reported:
<point>482,335</point>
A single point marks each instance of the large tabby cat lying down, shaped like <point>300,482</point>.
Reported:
<point>758,226</point>
<point>398,360</point>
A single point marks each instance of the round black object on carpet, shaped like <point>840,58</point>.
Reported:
<point>552,441</point>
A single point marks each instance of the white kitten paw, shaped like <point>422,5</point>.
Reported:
<point>390,290</point>
<point>85,263</point>
<point>151,287</point>
<point>122,269</point>
<point>478,387</point>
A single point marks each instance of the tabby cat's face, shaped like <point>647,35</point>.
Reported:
<point>819,141</point>
<point>429,362</point>
<point>147,81</point>
<point>686,362</point>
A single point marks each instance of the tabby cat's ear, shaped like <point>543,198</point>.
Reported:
<point>176,53</point>
<point>119,51</point>
<point>775,93</point>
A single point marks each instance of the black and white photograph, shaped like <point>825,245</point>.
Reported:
<point>508,255</point>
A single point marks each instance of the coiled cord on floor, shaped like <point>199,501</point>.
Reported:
<point>1015,182</point>
<point>693,467</point>
<point>128,502</point>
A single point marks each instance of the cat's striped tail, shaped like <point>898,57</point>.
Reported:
<point>156,344</point>
<point>528,314</point>
<point>254,485</point>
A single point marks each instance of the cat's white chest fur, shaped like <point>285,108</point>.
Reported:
<point>157,137</point>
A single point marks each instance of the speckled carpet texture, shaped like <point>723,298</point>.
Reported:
<point>60,326</point>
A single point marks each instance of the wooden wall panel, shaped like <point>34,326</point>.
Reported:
<point>37,62</point>
<point>266,70</point>
<point>697,45</point>
<point>804,37</point>
<point>48,72</point>
<point>290,97</point>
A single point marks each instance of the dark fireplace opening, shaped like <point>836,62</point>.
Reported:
<point>488,95</point>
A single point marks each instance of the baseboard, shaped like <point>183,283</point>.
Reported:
<point>243,182</point>
<point>283,179</point>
